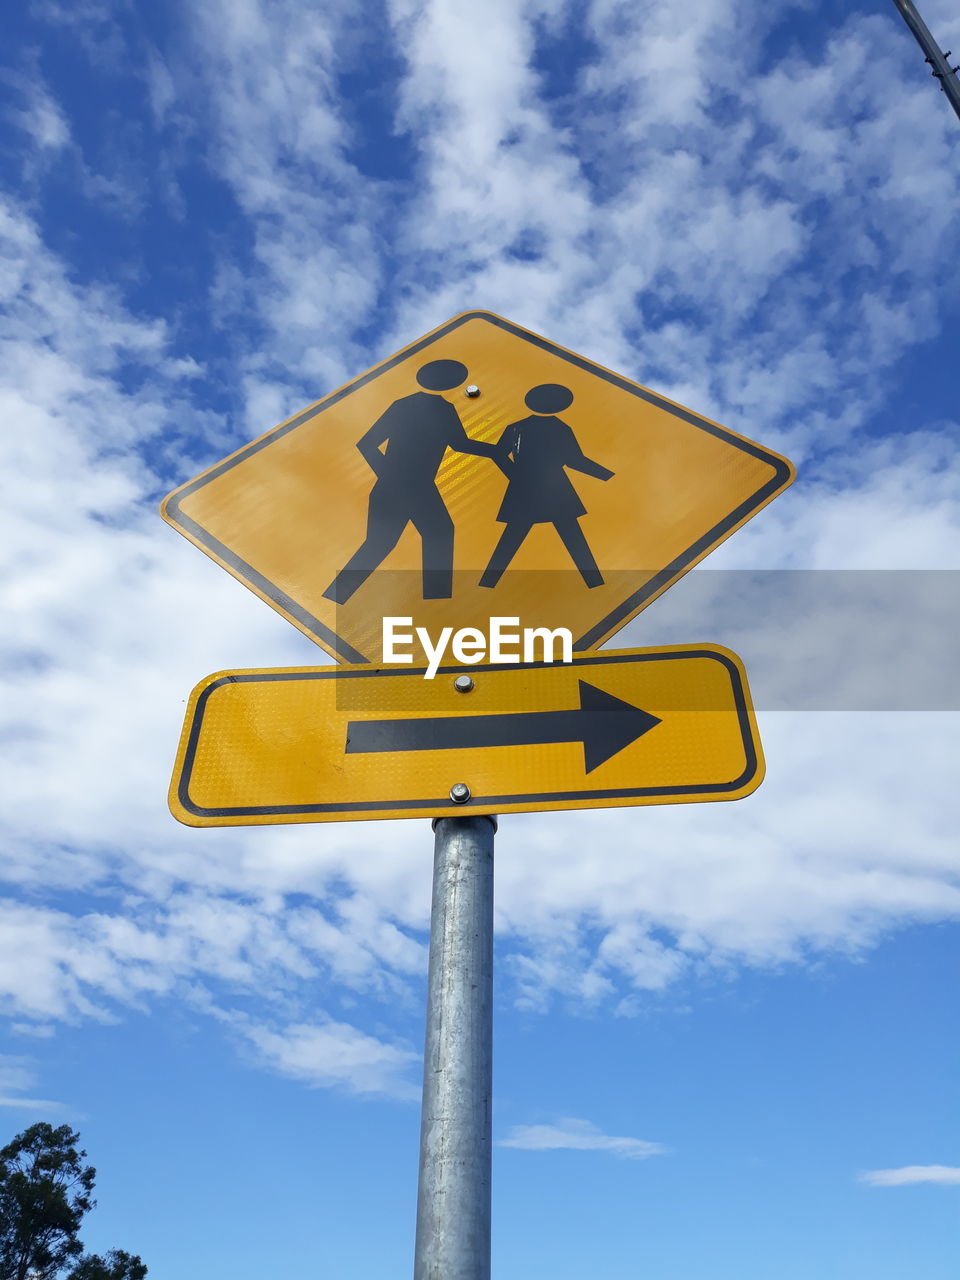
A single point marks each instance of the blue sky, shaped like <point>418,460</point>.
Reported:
<point>724,1033</point>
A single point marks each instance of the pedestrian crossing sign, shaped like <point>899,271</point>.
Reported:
<point>480,472</point>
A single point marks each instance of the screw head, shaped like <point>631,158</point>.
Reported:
<point>473,390</point>
<point>459,793</point>
<point>463,684</point>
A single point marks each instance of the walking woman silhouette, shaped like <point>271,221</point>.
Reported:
<point>533,454</point>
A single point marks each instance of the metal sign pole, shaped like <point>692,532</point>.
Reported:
<point>453,1204</point>
<point>938,60</point>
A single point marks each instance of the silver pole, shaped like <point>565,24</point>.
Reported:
<point>939,61</point>
<point>453,1204</point>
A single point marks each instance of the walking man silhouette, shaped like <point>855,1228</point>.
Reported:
<point>533,453</point>
<point>417,430</point>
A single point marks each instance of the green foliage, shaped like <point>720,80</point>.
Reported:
<point>116,1265</point>
<point>45,1190</point>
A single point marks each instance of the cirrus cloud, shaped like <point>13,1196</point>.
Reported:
<point>578,1135</point>
<point>940,1175</point>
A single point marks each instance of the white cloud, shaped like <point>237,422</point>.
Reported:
<point>84,965</point>
<point>335,1054</point>
<point>41,117</point>
<point>578,1135</point>
<point>940,1174</point>
<point>16,1075</point>
<point>650,196</point>
<point>278,134</point>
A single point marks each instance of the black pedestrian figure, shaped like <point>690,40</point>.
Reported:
<point>418,429</point>
<point>533,454</point>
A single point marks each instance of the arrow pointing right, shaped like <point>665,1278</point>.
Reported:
<point>603,723</point>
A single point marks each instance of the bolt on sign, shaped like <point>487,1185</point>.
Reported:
<point>317,744</point>
<point>481,471</point>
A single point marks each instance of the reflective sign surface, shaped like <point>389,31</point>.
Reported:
<point>482,471</point>
<point>642,726</point>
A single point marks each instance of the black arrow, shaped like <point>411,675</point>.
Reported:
<point>603,723</point>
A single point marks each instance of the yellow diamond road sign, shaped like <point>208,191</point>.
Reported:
<point>314,744</point>
<point>482,471</point>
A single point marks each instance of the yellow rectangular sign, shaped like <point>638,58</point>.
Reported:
<point>322,744</point>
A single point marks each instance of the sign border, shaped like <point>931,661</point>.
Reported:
<point>783,475</point>
<point>752,773</point>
